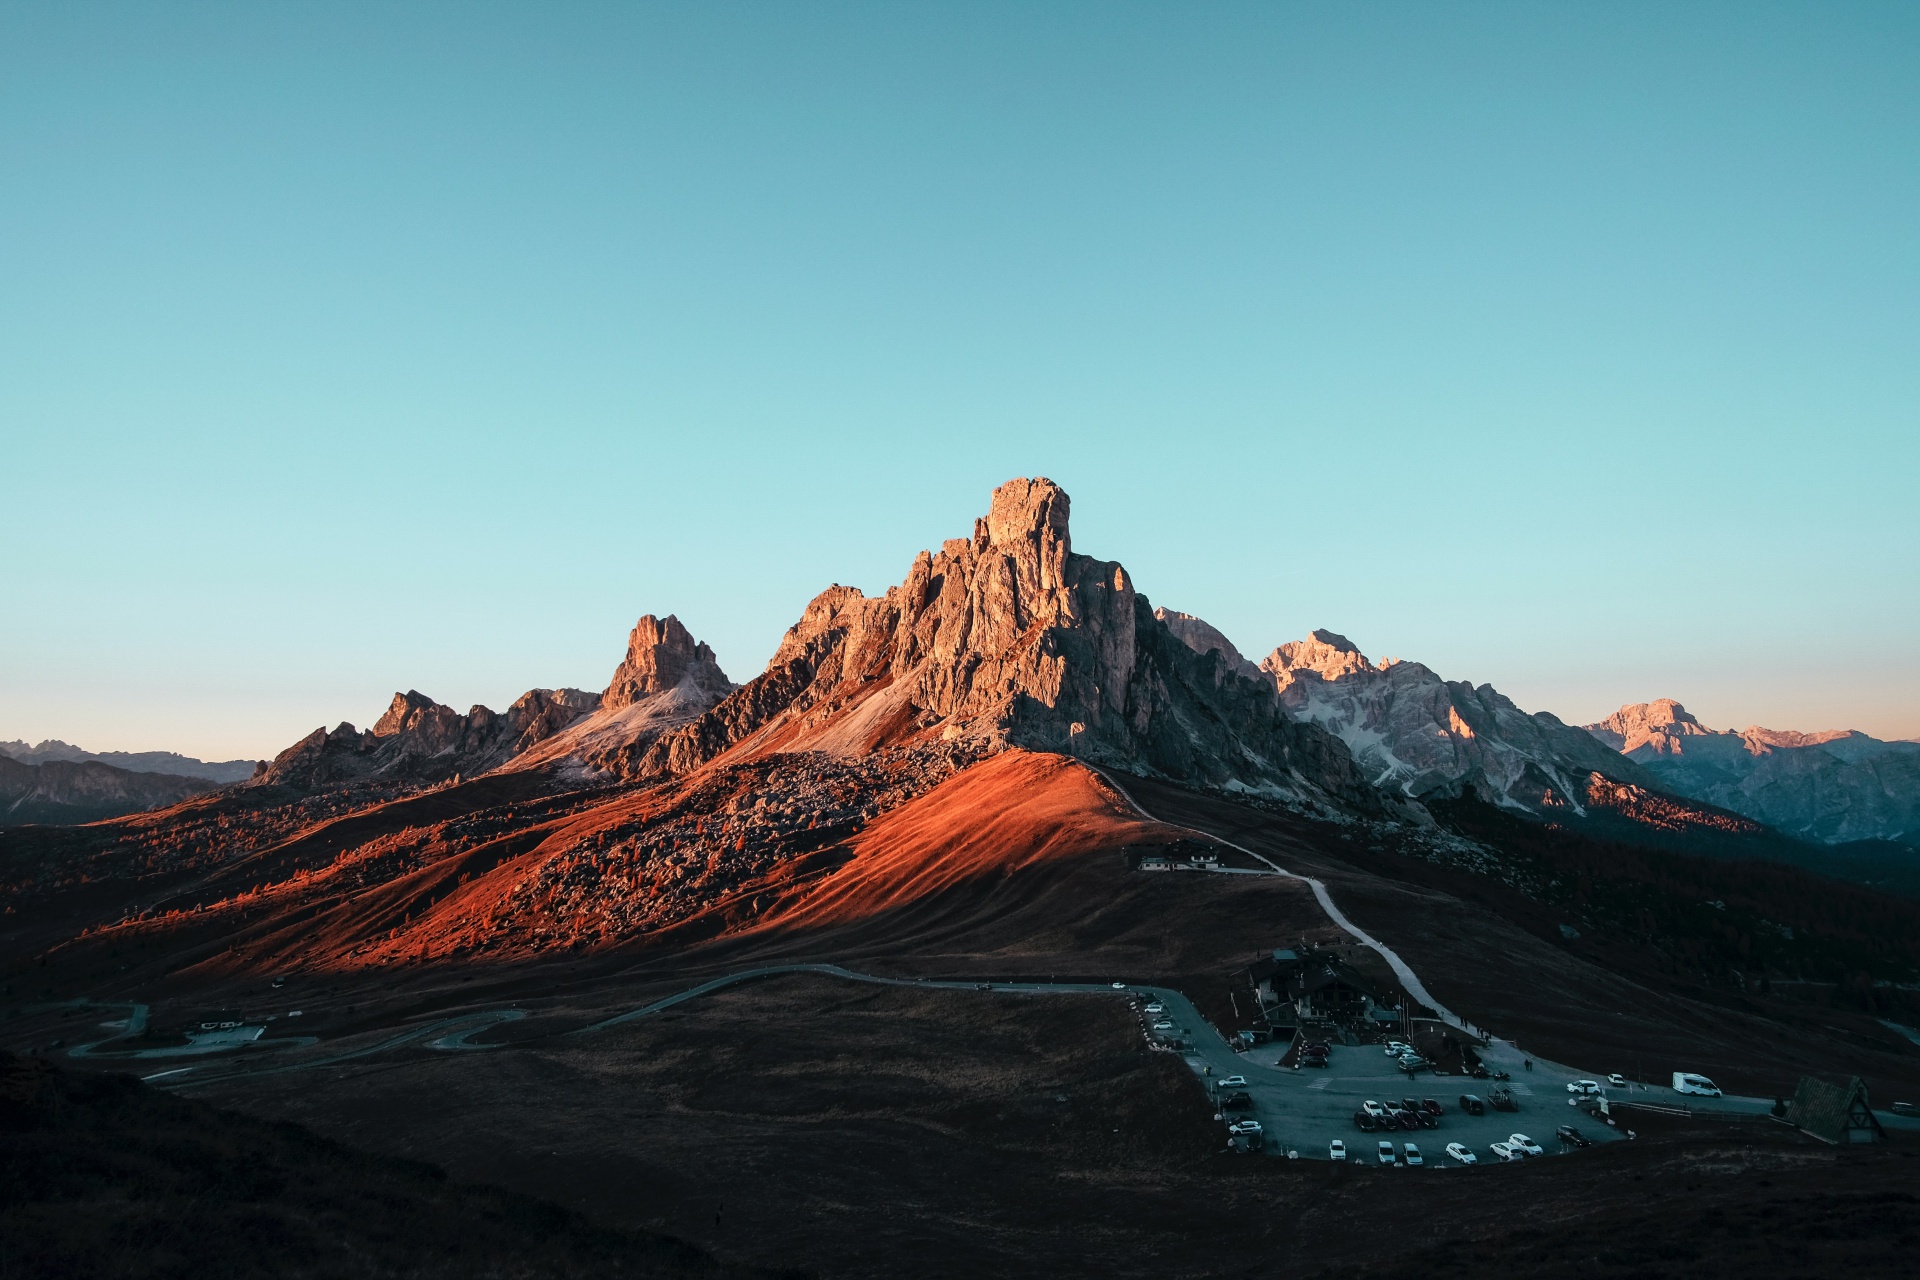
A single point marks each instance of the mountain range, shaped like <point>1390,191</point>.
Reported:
<point>1010,639</point>
<point>448,934</point>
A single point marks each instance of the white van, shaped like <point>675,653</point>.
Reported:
<point>1700,1086</point>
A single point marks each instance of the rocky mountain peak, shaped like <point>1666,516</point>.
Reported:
<point>661,653</point>
<point>1633,727</point>
<point>1028,519</point>
<point>1325,654</point>
<point>1009,638</point>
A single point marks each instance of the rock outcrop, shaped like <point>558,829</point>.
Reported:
<point>1422,735</point>
<point>423,740</point>
<point>1834,786</point>
<point>666,680</point>
<point>1010,638</point>
<point>69,791</point>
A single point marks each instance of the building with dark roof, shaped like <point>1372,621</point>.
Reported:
<point>1834,1113</point>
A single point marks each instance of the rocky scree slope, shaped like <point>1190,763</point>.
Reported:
<point>1836,786</point>
<point>1011,639</point>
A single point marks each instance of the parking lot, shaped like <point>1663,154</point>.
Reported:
<point>1303,1109</point>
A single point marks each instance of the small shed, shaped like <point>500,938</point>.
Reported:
<point>1833,1112</point>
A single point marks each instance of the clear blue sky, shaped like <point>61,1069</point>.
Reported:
<point>346,349</point>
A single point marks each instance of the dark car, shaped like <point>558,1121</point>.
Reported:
<point>1313,1061</point>
<point>1406,1119</point>
<point>1572,1136</point>
<point>1364,1122</point>
<point>1431,1106</point>
<point>1236,1101</point>
<point>1477,1071</point>
<point>1473,1104</point>
<point>1317,1046</point>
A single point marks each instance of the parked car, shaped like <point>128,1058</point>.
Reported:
<point>1473,1104</point>
<point>1462,1153</point>
<point>1236,1100</point>
<point>1477,1071</point>
<point>1314,1060</point>
<point>1386,1155</point>
<point>1364,1122</point>
<point>1525,1145</point>
<point>1502,1100</point>
<point>1397,1047</point>
<point>1617,1080</point>
<point>1506,1152</point>
<point>1156,1007</point>
<point>1163,1025</point>
<point>1234,1082</point>
<point>1410,1154</point>
<point>1407,1119</point>
<point>1373,1108</point>
<point>1700,1086</point>
<point>1316,1046</point>
<point>1336,1150</point>
<point>1244,1126</point>
<point>1584,1087</point>
<point>1572,1136</point>
<point>1431,1106</point>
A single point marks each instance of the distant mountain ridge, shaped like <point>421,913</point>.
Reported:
<point>1836,786</point>
<point>132,761</point>
<point>69,791</point>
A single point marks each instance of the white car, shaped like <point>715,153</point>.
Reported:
<point>1410,1154</point>
<point>1373,1108</point>
<point>1524,1145</point>
<point>1386,1153</point>
<point>1506,1152</point>
<point>1617,1080</point>
<point>1234,1082</point>
<point>1244,1126</point>
<point>1395,1048</point>
<point>1163,1025</point>
<point>1336,1150</point>
<point>1119,986</point>
<point>1156,1007</point>
<point>1588,1087</point>
<point>1462,1153</point>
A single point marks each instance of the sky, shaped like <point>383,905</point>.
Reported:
<point>353,348</point>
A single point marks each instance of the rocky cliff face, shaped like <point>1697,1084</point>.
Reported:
<point>1835,786</point>
<point>1010,638</point>
<point>1203,638</point>
<point>421,739</point>
<point>68,791</point>
<point>1415,732</point>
